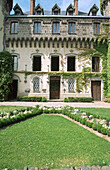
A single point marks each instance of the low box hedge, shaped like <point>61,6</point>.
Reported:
<point>78,99</point>
<point>29,98</point>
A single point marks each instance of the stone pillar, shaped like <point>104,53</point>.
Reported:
<point>32,5</point>
<point>76,6</point>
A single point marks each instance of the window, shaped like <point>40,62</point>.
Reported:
<point>96,28</point>
<point>15,63</point>
<point>71,64</point>
<point>71,83</point>
<point>71,27</point>
<point>37,63</point>
<point>55,63</point>
<point>37,27</point>
<point>14,27</point>
<point>71,12</point>
<point>95,64</point>
<point>56,12</point>
<point>56,27</point>
<point>38,12</point>
<point>36,84</point>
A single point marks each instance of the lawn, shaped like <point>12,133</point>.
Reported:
<point>53,141</point>
<point>10,108</point>
<point>98,111</point>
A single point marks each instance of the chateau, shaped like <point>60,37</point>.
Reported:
<point>47,48</point>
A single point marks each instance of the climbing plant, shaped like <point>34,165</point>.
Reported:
<point>5,74</point>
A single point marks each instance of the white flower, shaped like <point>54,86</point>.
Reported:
<point>83,113</point>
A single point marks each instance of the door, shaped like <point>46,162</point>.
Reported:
<point>55,87</point>
<point>13,90</point>
<point>96,90</point>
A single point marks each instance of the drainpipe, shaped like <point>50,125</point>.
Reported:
<point>4,38</point>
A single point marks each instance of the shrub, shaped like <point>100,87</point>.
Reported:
<point>44,99</point>
<point>65,100</point>
<point>6,75</point>
<point>99,128</point>
<point>83,121</point>
<point>80,99</point>
<point>104,131</point>
<point>29,98</point>
<point>94,126</point>
<point>108,132</point>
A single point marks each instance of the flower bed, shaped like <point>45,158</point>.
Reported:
<point>99,123</point>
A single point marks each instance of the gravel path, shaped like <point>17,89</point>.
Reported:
<point>50,104</point>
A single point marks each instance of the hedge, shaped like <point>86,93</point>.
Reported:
<point>30,98</point>
<point>78,99</point>
<point>19,117</point>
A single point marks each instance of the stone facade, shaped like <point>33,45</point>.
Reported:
<point>5,8</point>
<point>65,45</point>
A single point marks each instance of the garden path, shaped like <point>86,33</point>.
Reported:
<point>54,104</point>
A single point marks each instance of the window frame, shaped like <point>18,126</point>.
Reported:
<point>56,27</point>
<point>96,28</point>
<point>95,70</point>
<point>57,56</point>
<point>71,27</point>
<point>37,56</point>
<point>38,90</point>
<point>73,90</point>
<point>37,30</point>
<point>14,27</point>
<point>74,64</point>
<point>15,64</point>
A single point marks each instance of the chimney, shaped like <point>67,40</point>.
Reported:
<point>32,6</point>
<point>76,6</point>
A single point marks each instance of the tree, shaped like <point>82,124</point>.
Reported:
<point>6,77</point>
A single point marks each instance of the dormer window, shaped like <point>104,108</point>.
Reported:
<point>93,11</point>
<point>70,10</point>
<point>18,10</point>
<point>56,10</point>
<point>39,10</point>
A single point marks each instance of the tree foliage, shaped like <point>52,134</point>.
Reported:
<point>5,74</point>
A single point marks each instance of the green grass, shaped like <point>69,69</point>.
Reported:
<point>98,111</point>
<point>10,108</point>
<point>53,141</point>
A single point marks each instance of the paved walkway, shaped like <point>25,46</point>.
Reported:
<point>83,105</point>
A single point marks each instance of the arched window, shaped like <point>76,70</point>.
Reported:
<point>36,84</point>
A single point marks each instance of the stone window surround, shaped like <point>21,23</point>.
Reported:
<point>52,55</point>
<point>56,21</point>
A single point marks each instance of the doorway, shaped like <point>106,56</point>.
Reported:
<point>55,87</point>
<point>96,90</point>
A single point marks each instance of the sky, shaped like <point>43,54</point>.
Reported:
<point>84,5</point>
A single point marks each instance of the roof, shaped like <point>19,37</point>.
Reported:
<point>46,12</point>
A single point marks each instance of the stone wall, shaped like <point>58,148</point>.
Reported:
<point>72,168</point>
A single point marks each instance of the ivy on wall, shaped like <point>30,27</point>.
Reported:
<point>5,74</point>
